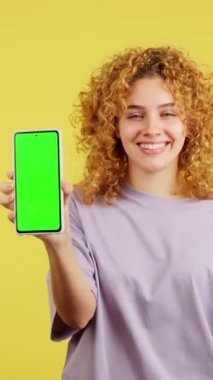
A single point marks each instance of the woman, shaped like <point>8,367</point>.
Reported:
<point>131,277</point>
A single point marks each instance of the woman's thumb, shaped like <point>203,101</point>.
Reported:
<point>67,189</point>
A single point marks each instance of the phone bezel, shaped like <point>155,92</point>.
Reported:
<point>41,232</point>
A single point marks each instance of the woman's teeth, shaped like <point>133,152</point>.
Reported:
<point>152,146</point>
<point>152,149</point>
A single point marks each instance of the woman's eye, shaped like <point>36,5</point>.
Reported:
<point>168,114</point>
<point>135,116</point>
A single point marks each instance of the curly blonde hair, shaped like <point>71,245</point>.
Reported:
<point>104,102</point>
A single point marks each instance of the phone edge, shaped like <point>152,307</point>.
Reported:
<point>60,179</point>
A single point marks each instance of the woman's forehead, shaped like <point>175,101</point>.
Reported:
<point>149,92</point>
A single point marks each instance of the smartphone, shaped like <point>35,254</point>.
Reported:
<point>37,176</point>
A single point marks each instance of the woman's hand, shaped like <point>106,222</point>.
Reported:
<point>7,201</point>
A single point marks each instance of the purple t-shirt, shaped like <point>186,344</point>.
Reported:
<point>149,262</point>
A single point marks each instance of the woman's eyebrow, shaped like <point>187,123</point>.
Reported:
<point>136,106</point>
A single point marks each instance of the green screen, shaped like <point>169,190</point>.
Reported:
<point>37,181</point>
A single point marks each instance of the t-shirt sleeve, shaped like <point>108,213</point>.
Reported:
<point>59,330</point>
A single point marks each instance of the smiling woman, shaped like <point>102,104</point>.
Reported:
<point>130,279</point>
<point>141,225</point>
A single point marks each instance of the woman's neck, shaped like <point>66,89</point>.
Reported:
<point>157,184</point>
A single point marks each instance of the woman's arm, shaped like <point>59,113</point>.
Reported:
<point>74,300</point>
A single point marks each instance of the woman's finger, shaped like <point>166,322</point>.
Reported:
<point>10,206</point>
<point>6,187</point>
<point>6,200</point>
<point>11,216</point>
<point>10,174</point>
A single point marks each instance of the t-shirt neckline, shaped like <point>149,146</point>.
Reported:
<point>151,200</point>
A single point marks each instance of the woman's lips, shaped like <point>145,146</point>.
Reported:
<point>153,151</point>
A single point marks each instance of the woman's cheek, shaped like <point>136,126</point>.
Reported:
<point>132,131</point>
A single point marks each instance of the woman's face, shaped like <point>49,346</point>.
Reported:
<point>151,132</point>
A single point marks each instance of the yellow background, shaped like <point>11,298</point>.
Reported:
<point>48,50</point>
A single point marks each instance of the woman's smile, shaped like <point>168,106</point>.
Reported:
<point>153,149</point>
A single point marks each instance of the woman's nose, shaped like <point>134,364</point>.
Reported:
<point>152,127</point>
